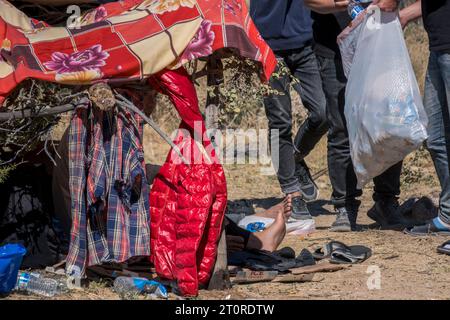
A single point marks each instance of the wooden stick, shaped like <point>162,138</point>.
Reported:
<point>125,103</point>
<point>5,116</point>
<point>220,278</point>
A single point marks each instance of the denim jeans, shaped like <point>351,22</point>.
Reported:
<point>437,106</point>
<point>340,166</point>
<point>302,65</point>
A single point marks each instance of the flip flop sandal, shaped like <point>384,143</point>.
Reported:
<point>428,229</point>
<point>355,254</point>
<point>325,251</point>
<point>286,252</point>
<point>444,248</point>
<point>305,258</point>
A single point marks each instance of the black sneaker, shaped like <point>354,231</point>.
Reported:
<point>385,212</point>
<point>300,209</point>
<point>345,219</point>
<point>308,187</point>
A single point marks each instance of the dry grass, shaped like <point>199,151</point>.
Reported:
<point>417,42</point>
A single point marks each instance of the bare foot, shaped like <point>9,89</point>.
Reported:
<point>284,206</point>
<point>270,238</point>
<point>287,206</point>
<point>272,212</point>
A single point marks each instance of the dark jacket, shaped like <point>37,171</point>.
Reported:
<point>284,24</point>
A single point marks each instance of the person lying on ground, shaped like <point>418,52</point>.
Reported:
<point>269,239</point>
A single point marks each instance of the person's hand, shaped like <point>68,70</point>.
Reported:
<point>410,13</point>
<point>341,5</point>
<point>403,20</point>
<point>387,5</point>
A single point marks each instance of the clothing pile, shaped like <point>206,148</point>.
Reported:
<point>285,259</point>
<point>282,260</point>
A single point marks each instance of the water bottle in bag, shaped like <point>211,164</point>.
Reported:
<point>136,285</point>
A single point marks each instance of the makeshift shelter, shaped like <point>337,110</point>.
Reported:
<point>117,43</point>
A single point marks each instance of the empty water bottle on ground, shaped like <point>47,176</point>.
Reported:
<point>136,285</point>
<point>36,284</point>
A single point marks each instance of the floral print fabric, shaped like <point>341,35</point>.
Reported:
<point>119,41</point>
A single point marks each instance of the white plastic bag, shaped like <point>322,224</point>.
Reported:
<point>384,111</point>
<point>295,227</point>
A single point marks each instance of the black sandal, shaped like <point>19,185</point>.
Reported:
<point>428,229</point>
<point>340,253</point>
<point>325,251</point>
<point>355,254</point>
<point>444,248</point>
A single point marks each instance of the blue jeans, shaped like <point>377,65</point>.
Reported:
<point>437,106</point>
<point>302,65</point>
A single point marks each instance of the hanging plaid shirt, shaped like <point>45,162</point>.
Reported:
<point>110,207</point>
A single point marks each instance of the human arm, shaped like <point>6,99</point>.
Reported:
<point>387,5</point>
<point>411,13</point>
<point>327,6</point>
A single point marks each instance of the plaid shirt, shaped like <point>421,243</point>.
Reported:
<point>110,206</point>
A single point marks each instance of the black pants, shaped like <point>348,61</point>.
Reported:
<point>302,65</point>
<point>342,175</point>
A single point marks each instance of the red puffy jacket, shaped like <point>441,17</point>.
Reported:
<point>187,201</point>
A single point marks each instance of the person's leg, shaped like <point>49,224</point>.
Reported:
<point>340,166</point>
<point>285,206</point>
<point>270,238</point>
<point>387,184</point>
<point>386,192</point>
<point>444,172</point>
<point>436,103</point>
<point>304,67</point>
<point>239,239</point>
<point>279,114</point>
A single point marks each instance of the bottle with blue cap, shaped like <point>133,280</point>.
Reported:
<point>355,7</point>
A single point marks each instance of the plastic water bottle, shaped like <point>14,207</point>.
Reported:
<point>34,283</point>
<point>135,285</point>
<point>355,8</point>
